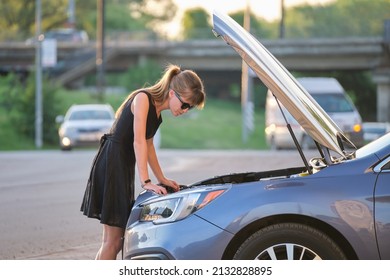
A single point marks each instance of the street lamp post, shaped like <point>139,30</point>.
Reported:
<point>38,76</point>
<point>100,60</point>
<point>282,15</point>
<point>247,106</point>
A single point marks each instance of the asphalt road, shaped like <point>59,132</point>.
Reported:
<point>41,193</point>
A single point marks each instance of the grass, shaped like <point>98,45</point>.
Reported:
<point>217,126</point>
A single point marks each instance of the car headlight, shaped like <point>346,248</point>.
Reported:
<point>175,208</point>
<point>66,142</point>
<point>68,131</point>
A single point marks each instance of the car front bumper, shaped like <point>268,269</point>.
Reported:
<point>188,239</point>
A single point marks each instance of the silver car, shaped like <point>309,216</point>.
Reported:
<point>84,125</point>
<point>334,206</point>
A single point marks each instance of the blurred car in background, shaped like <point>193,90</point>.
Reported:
<point>84,125</point>
<point>68,35</point>
<point>374,130</point>
<point>331,96</point>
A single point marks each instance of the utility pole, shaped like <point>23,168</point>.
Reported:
<point>247,106</point>
<point>71,14</point>
<point>38,76</point>
<point>100,61</point>
<point>282,16</point>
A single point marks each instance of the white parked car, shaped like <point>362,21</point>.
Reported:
<point>64,35</point>
<point>84,125</point>
<point>331,96</point>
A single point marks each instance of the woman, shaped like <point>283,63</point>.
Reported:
<point>109,195</point>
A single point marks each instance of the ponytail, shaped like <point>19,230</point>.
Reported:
<point>186,82</point>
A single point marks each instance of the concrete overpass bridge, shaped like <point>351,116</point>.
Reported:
<point>214,60</point>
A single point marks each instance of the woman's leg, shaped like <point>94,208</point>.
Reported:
<point>111,243</point>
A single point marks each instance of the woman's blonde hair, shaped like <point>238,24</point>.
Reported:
<point>184,82</point>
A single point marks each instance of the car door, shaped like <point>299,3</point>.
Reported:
<point>382,208</point>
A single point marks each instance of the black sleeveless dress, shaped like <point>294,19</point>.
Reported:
<point>109,194</point>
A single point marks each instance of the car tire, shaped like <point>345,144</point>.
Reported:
<point>289,241</point>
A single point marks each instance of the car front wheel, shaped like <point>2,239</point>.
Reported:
<point>289,241</point>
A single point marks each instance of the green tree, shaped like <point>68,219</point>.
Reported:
<point>153,14</point>
<point>86,15</point>
<point>196,24</point>
<point>338,19</point>
<point>17,97</point>
<point>17,18</point>
<point>122,18</point>
<point>343,18</point>
<point>259,26</point>
<point>143,75</point>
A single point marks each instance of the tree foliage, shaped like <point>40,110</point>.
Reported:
<point>259,27</point>
<point>153,14</point>
<point>334,19</point>
<point>341,18</point>
<point>196,24</point>
<point>17,18</point>
<point>17,98</point>
<point>141,76</point>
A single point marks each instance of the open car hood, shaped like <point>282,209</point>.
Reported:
<point>284,86</point>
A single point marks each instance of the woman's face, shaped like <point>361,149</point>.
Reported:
<point>178,104</point>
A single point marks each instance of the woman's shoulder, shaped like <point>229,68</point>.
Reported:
<point>143,99</point>
<point>143,94</point>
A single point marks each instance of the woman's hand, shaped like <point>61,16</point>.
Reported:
<point>170,183</point>
<point>155,188</point>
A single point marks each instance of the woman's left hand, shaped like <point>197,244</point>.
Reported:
<point>170,183</point>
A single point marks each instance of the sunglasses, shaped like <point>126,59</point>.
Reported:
<point>184,105</point>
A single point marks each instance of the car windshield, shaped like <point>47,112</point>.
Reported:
<point>333,103</point>
<point>90,115</point>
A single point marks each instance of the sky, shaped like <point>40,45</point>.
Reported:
<point>267,9</point>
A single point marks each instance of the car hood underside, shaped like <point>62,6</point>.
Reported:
<point>285,87</point>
